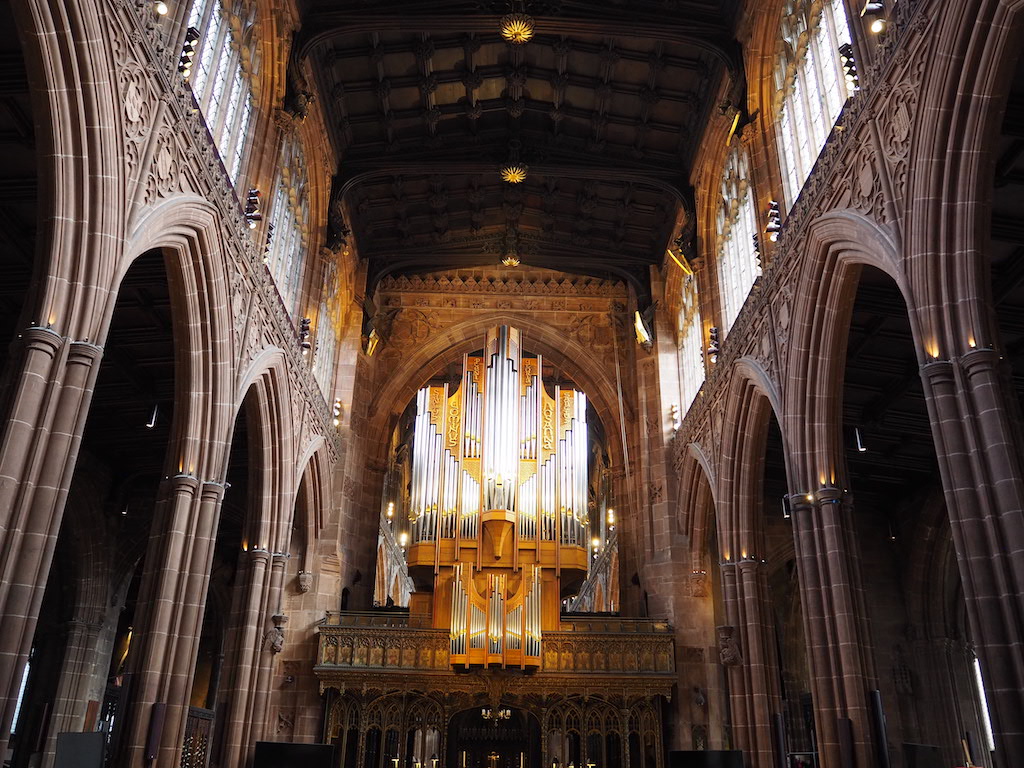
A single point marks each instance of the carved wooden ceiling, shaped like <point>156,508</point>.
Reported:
<point>605,106</point>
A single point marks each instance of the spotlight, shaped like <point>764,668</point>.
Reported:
<point>304,334</point>
<point>188,52</point>
<point>877,26</point>
<point>713,344</point>
<point>266,245</point>
<point>160,8</point>
<point>774,225</point>
<point>849,66</point>
<point>252,208</point>
<point>337,413</point>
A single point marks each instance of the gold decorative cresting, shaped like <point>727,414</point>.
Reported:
<point>511,261</point>
<point>517,28</point>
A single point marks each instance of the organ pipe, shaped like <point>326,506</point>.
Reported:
<point>499,451</point>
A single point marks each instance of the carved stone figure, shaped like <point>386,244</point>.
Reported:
<point>728,647</point>
<point>274,639</point>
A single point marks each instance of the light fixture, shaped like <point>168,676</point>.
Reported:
<point>774,225</point>
<point>713,347</point>
<point>160,8</point>
<point>849,66</point>
<point>494,715</point>
<point>643,334</point>
<point>337,413</point>
<point>188,52</point>
<point>391,510</point>
<point>514,173</point>
<point>267,244</point>
<point>252,208</point>
<point>874,9</point>
<point>403,539</point>
<point>511,261</point>
<point>152,419</point>
<point>371,342</point>
<point>595,543</point>
<point>860,443</point>
<point>516,28</point>
<point>304,334</point>
<point>611,516</point>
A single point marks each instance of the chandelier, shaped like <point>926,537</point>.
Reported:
<point>496,714</point>
<point>516,28</point>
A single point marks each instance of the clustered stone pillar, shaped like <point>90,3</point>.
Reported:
<point>835,627</point>
<point>50,399</point>
<point>172,601</point>
<point>747,651</point>
<point>979,453</point>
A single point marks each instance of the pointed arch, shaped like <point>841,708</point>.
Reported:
<point>838,244</point>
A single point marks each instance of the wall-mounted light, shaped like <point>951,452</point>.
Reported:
<point>643,334</point>
<point>161,8</point>
<point>403,539</point>
<point>713,344</point>
<point>390,511</point>
<point>774,224</point>
<point>849,66</point>
<point>188,52</point>
<point>337,413</point>
<point>152,418</point>
<point>267,244</point>
<point>253,214</point>
<point>860,442</point>
<point>676,416</point>
<point>304,334</point>
<point>876,12</point>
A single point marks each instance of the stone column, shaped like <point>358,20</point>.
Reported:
<point>253,656</point>
<point>747,651</point>
<point>172,602</point>
<point>835,627</point>
<point>979,450</point>
<point>81,657</point>
<point>48,405</point>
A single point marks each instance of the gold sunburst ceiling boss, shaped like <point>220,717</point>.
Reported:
<point>517,28</point>
<point>514,173</point>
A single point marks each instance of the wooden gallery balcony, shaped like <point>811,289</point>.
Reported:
<point>388,651</point>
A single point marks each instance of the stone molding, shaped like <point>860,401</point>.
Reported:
<point>170,151</point>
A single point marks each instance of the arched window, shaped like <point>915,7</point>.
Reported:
<point>326,335</point>
<point>289,219</point>
<point>691,342</point>
<point>737,224</point>
<point>222,75</point>
<point>811,87</point>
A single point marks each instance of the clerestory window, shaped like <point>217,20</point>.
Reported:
<point>810,85</point>
<point>738,265</point>
<point>289,222</point>
<point>691,342</point>
<point>223,74</point>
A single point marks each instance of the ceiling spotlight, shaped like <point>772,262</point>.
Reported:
<point>188,52</point>
<point>160,8</point>
<point>513,173</point>
<point>516,28</point>
<point>511,261</point>
<point>877,26</point>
